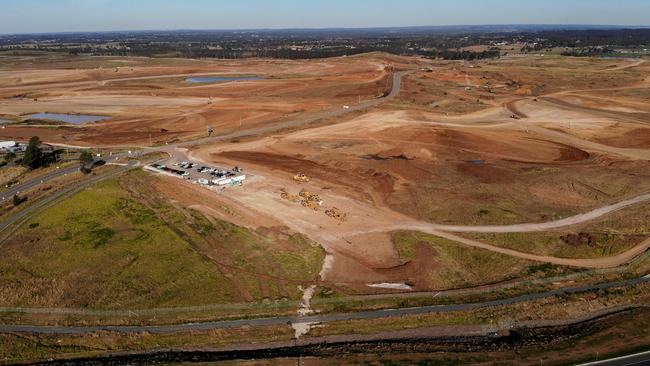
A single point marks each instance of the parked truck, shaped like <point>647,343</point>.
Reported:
<point>227,181</point>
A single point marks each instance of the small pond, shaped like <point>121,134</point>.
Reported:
<point>75,119</point>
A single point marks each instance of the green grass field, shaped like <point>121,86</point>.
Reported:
<point>453,265</point>
<point>120,244</point>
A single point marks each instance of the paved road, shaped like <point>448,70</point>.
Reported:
<point>642,358</point>
<point>373,314</point>
<point>9,193</point>
<point>444,230</point>
<point>21,216</point>
<point>397,86</point>
<point>425,227</point>
<point>397,78</point>
<point>22,187</point>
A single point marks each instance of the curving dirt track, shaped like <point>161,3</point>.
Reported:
<point>605,262</point>
<point>383,219</point>
<point>531,227</point>
<point>386,220</point>
<point>154,105</point>
<point>262,197</point>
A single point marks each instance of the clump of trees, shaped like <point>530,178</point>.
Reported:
<point>589,52</point>
<point>35,157</point>
<point>463,55</point>
<point>86,162</point>
<point>17,200</point>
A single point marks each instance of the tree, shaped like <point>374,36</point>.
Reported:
<point>86,161</point>
<point>18,200</point>
<point>33,154</point>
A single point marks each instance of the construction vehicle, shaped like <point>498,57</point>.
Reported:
<point>301,178</point>
<point>289,197</point>
<point>336,214</point>
<point>310,204</point>
<point>310,200</point>
<point>309,196</point>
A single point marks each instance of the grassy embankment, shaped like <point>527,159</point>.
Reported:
<point>120,244</point>
<point>609,236</point>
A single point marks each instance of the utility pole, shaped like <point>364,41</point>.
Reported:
<point>240,123</point>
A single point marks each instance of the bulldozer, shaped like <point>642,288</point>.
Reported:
<point>336,214</point>
<point>309,196</point>
<point>301,178</point>
<point>310,200</point>
<point>310,204</point>
<point>288,196</point>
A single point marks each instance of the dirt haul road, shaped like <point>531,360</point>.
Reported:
<point>331,235</point>
<point>334,238</point>
<point>371,219</point>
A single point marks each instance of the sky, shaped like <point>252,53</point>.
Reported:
<point>34,16</point>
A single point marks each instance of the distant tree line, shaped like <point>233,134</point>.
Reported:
<point>280,47</point>
<point>463,55</point>
<point>589,52</point>
<point>186,51</point>
<point>595,38</point>
<point>311,44</point>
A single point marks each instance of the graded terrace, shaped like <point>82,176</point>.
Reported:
<point>294,201</point>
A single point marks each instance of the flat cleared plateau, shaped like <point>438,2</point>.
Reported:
<point>452,177</point>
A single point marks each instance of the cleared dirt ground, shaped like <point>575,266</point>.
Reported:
<point>158,101</point>
<point>517,140</point>
<point>410,161</point>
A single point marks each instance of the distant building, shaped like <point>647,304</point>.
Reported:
<point>8,144</point>
<point>11,146</point>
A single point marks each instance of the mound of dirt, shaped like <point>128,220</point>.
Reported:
<point>570,154</point>
<point>418,272</point>
<point>638,138</point>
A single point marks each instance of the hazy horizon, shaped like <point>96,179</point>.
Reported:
<point>40,16</point>
<point>573,25</point>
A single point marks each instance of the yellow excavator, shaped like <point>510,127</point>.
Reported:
<point>308,195</point>
<point>301,178</point>
<point>310,200</point>
<point>310,204</point>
